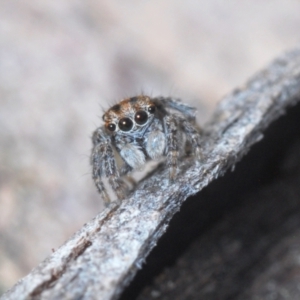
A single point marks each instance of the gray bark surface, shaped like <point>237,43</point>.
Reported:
<point>102,257</point>
<point>246,244</point>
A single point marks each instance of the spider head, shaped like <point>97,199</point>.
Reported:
<point>130,115</point>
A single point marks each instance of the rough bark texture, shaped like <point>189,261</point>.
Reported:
<point>238,238</point>
<point>102,258</point>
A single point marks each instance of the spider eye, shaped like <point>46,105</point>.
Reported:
<point>125,124</point>
<point>111,127</point>
<point>141,117</point>
<point>151,109</point>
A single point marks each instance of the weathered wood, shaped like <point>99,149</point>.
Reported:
<point>246,244</point>
<point>101,258</point>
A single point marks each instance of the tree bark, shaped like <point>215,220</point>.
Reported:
<point>102,257</point>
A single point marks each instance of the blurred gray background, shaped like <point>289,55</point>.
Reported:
<point>63,62</point>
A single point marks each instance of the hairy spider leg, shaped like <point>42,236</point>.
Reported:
<point>104,164</point>
<point>172,146</point>
<point>192,134</point>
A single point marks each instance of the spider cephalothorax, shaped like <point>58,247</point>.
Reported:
<point>140,129</point>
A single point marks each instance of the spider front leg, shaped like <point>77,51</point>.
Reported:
<point>172,146</point>
<point>104,165</point>
<point>193,135</point>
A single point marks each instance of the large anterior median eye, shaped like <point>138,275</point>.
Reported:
<point>141,117</point>
<point>125,124</point>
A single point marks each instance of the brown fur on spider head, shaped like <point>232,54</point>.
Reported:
<point>134,108</point>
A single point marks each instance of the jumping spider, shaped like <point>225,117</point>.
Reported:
<point>140,129</point>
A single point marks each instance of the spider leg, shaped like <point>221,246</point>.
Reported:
<point>172,145</point>
<point>192,134</point>
<point>174,103</point>
<point>104,165</point>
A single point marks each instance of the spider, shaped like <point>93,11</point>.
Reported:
<point>141,128</point>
